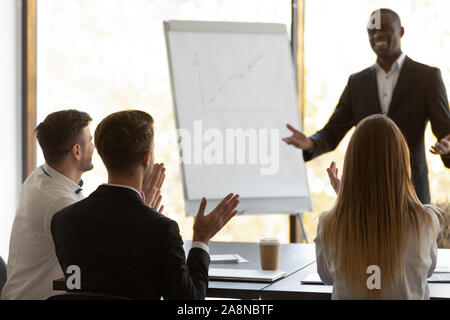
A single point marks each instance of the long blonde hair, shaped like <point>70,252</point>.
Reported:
<point>376,208</point>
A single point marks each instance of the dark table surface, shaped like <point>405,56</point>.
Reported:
<point>293,257</point>
<point>291,288</point>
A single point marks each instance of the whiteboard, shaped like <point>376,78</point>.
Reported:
<point>234,90</point>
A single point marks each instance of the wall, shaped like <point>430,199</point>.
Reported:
<point>10,135</point>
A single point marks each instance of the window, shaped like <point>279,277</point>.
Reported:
<point>10,129</point>
<point>336,45</point>
<point>107,55</point>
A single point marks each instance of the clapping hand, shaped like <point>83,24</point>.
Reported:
<point>151,187</point>
<point>206,226</point>
<point>333,176</point>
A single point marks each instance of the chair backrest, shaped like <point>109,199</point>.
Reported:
<point>84,296</point>
<point>2,274</point>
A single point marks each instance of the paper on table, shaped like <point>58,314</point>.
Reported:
<point>227,258</point>
<point>241,259</point>
<point>245,275</point>
<point>312,278</point>
<point>442,269</point>
<point>439,278</point>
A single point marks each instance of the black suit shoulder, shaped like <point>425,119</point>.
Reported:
<point>361,74</point>
<point>138,208</point>
<point>132,218</point>
<point>128,248</point>
<point>430,75</point>
<point>423,67</point>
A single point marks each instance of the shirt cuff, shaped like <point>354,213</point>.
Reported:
<point>201,245</point>
<point>311,151</point>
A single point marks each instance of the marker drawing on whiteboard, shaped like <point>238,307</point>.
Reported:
<point>227,83</point>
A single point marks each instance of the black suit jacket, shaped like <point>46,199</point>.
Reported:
<point>125,248</point>
<point>419,96</point>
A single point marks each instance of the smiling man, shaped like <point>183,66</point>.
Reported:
<point>408,92</point>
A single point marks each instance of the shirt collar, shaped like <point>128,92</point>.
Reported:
<point>401,60</point>
<point>59,177</point>
<point>397,64</point>
<point>123,186</point>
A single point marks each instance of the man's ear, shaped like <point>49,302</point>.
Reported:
<point>402,32</point>
<point>76,151</point>
<point>146,159</point>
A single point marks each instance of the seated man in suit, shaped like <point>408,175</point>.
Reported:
<point>122,246</point>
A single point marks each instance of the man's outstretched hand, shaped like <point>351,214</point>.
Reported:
<point>299,139</point>
<point>442,147</point>
<point>206,226</point>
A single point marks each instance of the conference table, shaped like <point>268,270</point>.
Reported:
<point>291,288</point>
<point>297,260</point>
<point>293,257</point>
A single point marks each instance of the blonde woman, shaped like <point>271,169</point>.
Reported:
<point>378,241</point>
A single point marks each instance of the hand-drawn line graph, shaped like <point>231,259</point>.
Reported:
<point>228,81</point>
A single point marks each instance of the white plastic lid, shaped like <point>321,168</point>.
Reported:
<point>269,241</point>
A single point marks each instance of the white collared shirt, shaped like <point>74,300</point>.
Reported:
<point>387,81</point>
<point>32,262</point>
<point>195,244</point>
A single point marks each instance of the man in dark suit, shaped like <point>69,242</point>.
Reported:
<point>406,91</point>
<point>123,247</point>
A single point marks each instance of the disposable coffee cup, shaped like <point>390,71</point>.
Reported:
<point>269,250</point>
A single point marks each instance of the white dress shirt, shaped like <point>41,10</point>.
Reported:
<point>387,81</point>
<point>32,263</point>
<point>195,244</point>
<point>414,283</point>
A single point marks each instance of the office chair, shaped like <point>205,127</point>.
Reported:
<point>2,274</point>
<point>84,296</point>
